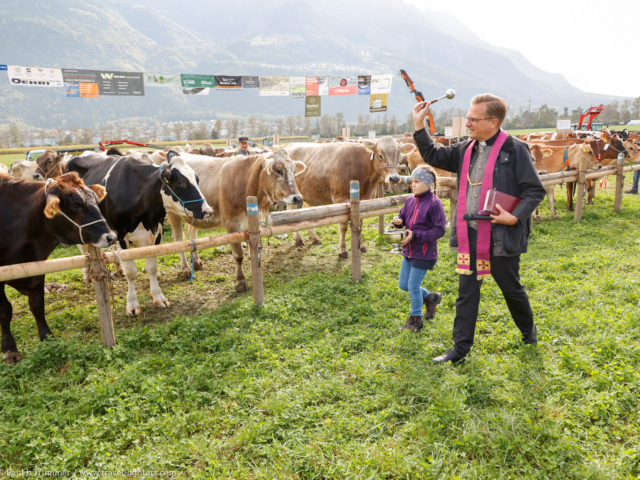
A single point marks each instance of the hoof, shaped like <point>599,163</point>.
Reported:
<point>299,242</point>
<point>86,280</point>
<point>11,358</point>
<point>316,241</point>
<point>118,271</point>
<point>343,255</point>
<point>134,310</point>
<point>242,286</point>
<point>537,217</point>
<point>197,265</point>
<point>186,274</point>
<point>363,249</point>
<point>555,215</point>
<point>161,303</point>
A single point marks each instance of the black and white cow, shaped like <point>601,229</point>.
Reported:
<point>138,197</point>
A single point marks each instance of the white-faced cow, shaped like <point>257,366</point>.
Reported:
<point>34,220</point>
<point>139,196</point>
<point>331,166</point>
<point>226,184</point>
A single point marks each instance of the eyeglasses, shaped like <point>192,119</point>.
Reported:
<point>474,120</point>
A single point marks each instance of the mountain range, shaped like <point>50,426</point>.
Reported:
<point>248,37</point>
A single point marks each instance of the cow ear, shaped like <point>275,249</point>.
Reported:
<point>52,207</point>
<point>165,173</point>
<point>547,153</point>
<point>99,190</point>
<point>267,162</point>
<point>407,148</point>
<point>369,145</point>
<point>300,167</point>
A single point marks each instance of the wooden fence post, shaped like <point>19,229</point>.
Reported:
<point>99,275</point>
<point>619,183</point>
<point>354,190</point>
<point>255,246</point>
<point>580,193</point>
<point>381,217</point>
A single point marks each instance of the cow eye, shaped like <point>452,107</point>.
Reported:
<point>279,172</point>
<point>182,184</point>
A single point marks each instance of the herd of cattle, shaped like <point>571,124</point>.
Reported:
<point>110,198</point>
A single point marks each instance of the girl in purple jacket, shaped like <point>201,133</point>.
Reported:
<point>424,218</point>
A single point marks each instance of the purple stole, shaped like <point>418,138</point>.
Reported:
<point>483,258</point>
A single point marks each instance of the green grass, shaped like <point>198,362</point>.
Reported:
<point>319,383</point>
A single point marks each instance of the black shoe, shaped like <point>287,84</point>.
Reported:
<point>531,338</point>
<point>452,356</point>
<point>632,191</point>
<point>414,324</point>
<point>431,302</point>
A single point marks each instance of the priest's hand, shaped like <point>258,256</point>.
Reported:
<point>420,111</point>
<point>505,218</point>
<point>407,238</point>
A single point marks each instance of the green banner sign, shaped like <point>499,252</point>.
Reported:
<point>197,81</point>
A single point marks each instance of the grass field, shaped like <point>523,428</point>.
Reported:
<point>319,383</point>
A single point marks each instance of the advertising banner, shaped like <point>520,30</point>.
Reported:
<point>197,81</point>
<point>80,83</point>
<point>250,82</point>
<point>162,80</point>
<point>364,85</point>
<point>121,83</point>
<point>224,82</point>
<point>381,83</point>
<point>3,67</point>
<point>563,125</point>
<point>298,87</point>
<point>317,86</point>
<point>195,90</point>
<point>274,86</point>
<point>34,76</point>
<point>378,102</point>
<point>343,86</point>
<point>312,107</point>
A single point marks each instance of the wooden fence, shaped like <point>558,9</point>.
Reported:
<point>280,223</point>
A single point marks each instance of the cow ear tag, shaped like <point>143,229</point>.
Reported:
<point>372,154</point>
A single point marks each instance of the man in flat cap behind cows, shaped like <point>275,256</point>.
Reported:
<point>486,248</point>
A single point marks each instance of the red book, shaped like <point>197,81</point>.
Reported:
<point>494,197</point>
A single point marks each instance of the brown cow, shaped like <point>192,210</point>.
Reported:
<point>226,183</point>
<point>37,218</point>
<point>550,159</point>
<point>49,165</point>
<point>331,166</point>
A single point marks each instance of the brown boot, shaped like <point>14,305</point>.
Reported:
<point>431,302</point>
<point>414,324</point>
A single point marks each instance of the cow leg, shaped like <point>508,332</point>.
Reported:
<point>238,255</point>
<point>131,271</point>
<point>152,269</point>
<point>36,305</point>
<point>570,196</point>
<point>536,213</point>
<point>197,263</point>
<point>363,248</point>
<point>178,236</point>
<point>10,353</point>
<point>551,196</point>
<point>296,235</point>
<point>84,250</point>
<point>313,237</point>
<point>342,243</point>
<point>591,191</point>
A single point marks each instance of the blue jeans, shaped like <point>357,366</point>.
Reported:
<point>411,281</point>
<point>636,178</point>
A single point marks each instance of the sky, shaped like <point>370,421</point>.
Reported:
<point>594,44</point>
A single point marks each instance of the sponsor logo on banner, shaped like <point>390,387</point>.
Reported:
<point>196,90</point>
<point>343,86</point>
<point>274,86</point>
<point>378,102</point>
<point>228,83</point>
<point>381,83</point>
<point>162,80</point>
<point>35,77</point>
<point>250,82</point>
<point>3,67</point>
<point>364,85</point>
<point>312,106</point>
<point>197,81</point>
<point>121,83</point>
<point>317,86</point>
<point>298,87</point>
<point>80,83</point>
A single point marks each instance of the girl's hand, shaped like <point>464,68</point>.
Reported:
<point>407,238</point>
<point>397,221</point>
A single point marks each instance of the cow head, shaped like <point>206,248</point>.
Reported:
<point>72,208</point>
<point>279,184</point>
<point>579,150</point>
<point>633,150</point>
<point>180,192</point>
<point>616,143</point>
<point>386,155</point>
<point>537,157</point>
<point>49,165</point>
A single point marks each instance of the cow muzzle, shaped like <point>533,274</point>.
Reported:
<point>37,177</point>
<point>106,239</point>
<point>394,178</point>
<point>207,212</point>
<point>294,199</point>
